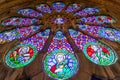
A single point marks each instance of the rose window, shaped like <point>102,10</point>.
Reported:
<point>81,26</point>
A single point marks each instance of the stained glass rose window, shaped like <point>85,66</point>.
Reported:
<point>82,24</point>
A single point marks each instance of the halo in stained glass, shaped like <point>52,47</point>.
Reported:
<point>86,24</point>
<point>60,64</point>
<point>99,53</point>
<point>21,56</point>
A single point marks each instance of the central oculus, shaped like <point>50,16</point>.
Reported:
<point>59,20</point>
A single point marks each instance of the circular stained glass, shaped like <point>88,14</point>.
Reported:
<point>21,55</point>
<point>71,22</point>
<point>59,20</point>
<point>99,54</point>
<point>60,64</point>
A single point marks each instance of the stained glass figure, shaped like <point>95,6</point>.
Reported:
<point>60,64</point>
<point>99,53</point>
<point>87,11</point>
<point>58,6</point>
<point>102,54</point>
<point>21,56</point>
<point>19,21</point>
<point>60,61</point>
<point>44,8</point>
<point>98,20</point>
<point>73,7</point>
<point>29,13</point>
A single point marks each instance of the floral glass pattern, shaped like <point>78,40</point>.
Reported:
<point>76,23</point>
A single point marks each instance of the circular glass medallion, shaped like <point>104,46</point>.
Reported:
<point>59,20</point>
<point>100,54</point>
<point>21,55</point>
<point>60,64</point>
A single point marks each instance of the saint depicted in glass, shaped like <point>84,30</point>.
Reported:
<point>99,53</point>
<point>74,26</point>
<point>21,55</point>
<point>60,64</point>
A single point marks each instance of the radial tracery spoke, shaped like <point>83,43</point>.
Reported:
<point>58,50</point>
<point>73,45</point>
<point>48,42</point>
<point>66,31</point>
<point>38,39</point>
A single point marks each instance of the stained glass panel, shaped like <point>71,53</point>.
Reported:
<point>110,34</point>
<point>99,53</point>
<point>21,56</point>
<point>19,21</point>
<point>100,31</point>
<point>60,42</point>
<point>8,36</point>
<point>25,31</point>
<point>80,38</point>
<point>73,7</point>
<point>98,20</point>
<point>95,51</point>
<point>60,63</point>
<point>59,20</point>
<point>87,11</point>
<point>38,40</point>
<point>94,30</point>
<point>29,13</point>
<point>17,33</point>
<point>44,8</point>
<point>58,6</point>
